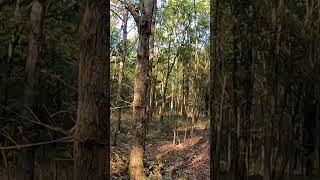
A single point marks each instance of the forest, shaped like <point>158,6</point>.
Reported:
<point>160,89</point>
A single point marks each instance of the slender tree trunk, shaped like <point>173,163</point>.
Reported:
<point>164,93</point>
<point>163,101</point>
<point>25,166</point>
<point>229,141</point>
<point>196,70</point>
<point>172,96</point>
<point>121,73</point>
<point>185,90</point>
<point>151,60</point>
<point>91,146</point>
<point>11,50</point>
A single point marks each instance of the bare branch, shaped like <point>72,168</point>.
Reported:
<point>64,139</point>
<point>133,12</point>
<point>116,14</point>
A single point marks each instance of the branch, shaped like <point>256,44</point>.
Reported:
<point>116,14</point>
<point>133,12</point>
<point>64,139</point>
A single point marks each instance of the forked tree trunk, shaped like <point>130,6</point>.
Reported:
<point>164,92</point>
<point>25,166</point>
<point>91,143</point>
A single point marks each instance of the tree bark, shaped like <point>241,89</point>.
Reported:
<point>165,88</point>
<point>91,143</point>
<point>141,97</point>
<point>25,166</point>
<point>151,60</point>
<point>214,129</point>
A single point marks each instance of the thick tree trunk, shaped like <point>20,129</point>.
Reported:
<point>141,98</point>
<point>140,103</point>
<point>91,146</point>
<point>25,166</point>
<point>214,128</point>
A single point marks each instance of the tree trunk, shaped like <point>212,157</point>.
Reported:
<point>196,73</point>
<point>121,73</point>
<point>11,51</point>
<point>247,91</point>
<point>151,60</point>
<point>235,136</point>
<point>164,93</point>
<point>165,88</point>
<point>229,141</point>
<point>91,143</point>
<point>141,87</point>
<point>214,129</point>
<point>185,92</point>
<point>25,166</point>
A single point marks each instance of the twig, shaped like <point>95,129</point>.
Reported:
<point>6,134</point>
<point>38,122</point>
<point>64,139</point>
<point>49,127</point>
<point>113,108</point>
<point>61,80</point>
<point>116,14</point>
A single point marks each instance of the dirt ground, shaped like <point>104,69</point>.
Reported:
<point>187,159</point>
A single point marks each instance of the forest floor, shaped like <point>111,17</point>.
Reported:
<point>187,159</point>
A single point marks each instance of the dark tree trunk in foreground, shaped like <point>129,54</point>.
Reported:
<point>214,129</point>
<point>91,146</point>
<point>214,119</point>
<point>141,99</point>
<point>25,166</point>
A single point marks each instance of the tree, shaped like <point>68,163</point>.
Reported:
<point>121,71</point>
<point>214,122</point>
<point>91,146</point>
<point>143,19</point>
<point>25,166</point>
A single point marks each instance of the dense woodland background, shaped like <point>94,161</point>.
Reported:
<point>265,90</point>
<point>236,80</point>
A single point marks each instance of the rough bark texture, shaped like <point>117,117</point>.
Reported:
<point>214,156</point>
<point>91,146</point>
<point>141,87</point>
<point>151,61</point>
<point>25,166</point>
